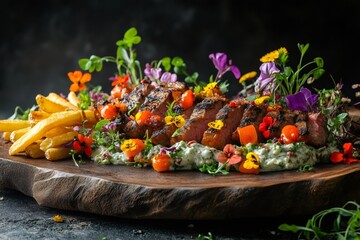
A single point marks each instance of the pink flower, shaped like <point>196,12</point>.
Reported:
<point>228,155</point>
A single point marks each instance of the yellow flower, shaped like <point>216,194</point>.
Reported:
<point>128,145</point>
<point>261,100</point>
<point>272,56</point>
<point>179,121</point>
<point>247,76</point>
<point>252,161</point>
<point>208,89</point>
<point>58,219</point>
<point>217,124</point>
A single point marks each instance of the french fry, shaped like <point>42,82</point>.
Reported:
<point>47,105</point>
<point>57,141</point>
<point>34,151</point>
<point>58,153</point>
<point>62,101</point>
<point>16,134</point>
<point>9,125</point>
<point>57,131</point>
<point>65,118</point>
<point>6,136</point>
<point>73,98</point>
<point>36,116</point>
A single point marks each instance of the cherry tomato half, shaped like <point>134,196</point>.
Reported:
<point>187,99</point>
<point>289,134</point>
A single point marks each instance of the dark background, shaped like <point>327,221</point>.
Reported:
<point>43,40</point>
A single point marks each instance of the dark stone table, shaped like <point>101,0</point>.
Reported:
<point>22,218</point>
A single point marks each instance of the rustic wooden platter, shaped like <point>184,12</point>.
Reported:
<point>128,192</point>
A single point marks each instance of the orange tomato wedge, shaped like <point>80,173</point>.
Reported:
<point>161,162</point>
<point>139,146</point>
<point>247,135</point>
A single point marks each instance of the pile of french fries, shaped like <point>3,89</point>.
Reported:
<point>48,128</point>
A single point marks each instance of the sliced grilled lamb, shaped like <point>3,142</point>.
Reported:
<point>137,96</point>
<point>301,122</point>
<point>280,118</point>
<point>156,102</point>
<point>253,115</point>
<point>317,135</point>
<point>163,135</point>
<point>230,114</point>
<point>204,112</point>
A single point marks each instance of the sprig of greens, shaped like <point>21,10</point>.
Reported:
<point>345,224</point>
<point>125,59</point>
<point>21,114</point>
<point>290,81</point>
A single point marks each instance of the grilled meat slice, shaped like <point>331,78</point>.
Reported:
<point>317,134</point>
<point>230,115</point>
<point>281,118</point>
<point>253,115</point>
<point>156,102</point>
<point>163,135</point>
<point>137,96</point>
<point>204,112</point>
<point>301,122</point>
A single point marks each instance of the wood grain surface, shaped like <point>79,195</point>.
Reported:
<point>128,192</point>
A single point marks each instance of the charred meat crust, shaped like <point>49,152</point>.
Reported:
<point>230,116</point>
<point>204,112</point>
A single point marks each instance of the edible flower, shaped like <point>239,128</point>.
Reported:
<point>261,100</point>
<point>247,76</point>
<point>83,144</point>
<point>120,80</point>
<point>268,70</point>
<point>273,56</point>
<point>222,64</point>
<point>179,120</point>
<point>217,124</point>
<point>58,219</point>
<point>302,101</point>
<point>266,125</point>
<point>210,89</point>
<point>78,80</point>
<point>228,155</point>
<point>251,164</point>
<point>131,147</point>
<point>346,156</point>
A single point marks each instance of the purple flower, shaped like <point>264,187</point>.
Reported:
<point>222,64</point>
<point>267,72</point>
<point>168,77</point>
<point>109,127</point>
<point>152,73</point>
<point>96,97</point>
<point>302,101</point>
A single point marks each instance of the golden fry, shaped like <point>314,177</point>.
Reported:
<point>9,125</point>
<point>36,116</point>
<point>58,153</point>
<point>16,134</point>
<point>73,98</point>
<point>57,141</point>
<point>34,151</point>
<point>62,101</point>
<point>65,118</point>
<point>6,136</point>
<point>58,131</point>
<point>48,105</point>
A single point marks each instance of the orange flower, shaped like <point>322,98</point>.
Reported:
<point>79,79</point>
<point>345,157</point>
<point>120,80</point>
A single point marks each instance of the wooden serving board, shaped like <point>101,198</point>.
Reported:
<point>128,192</point>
